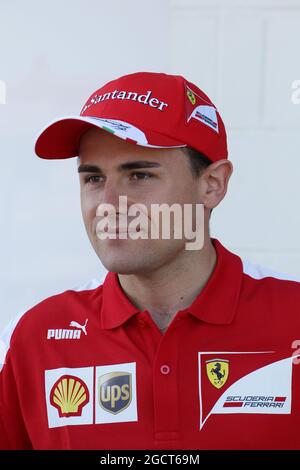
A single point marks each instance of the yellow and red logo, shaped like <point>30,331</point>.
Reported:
<point>69,395</point>
<point>200,109</point>
<point>191,96</point>
<point>217,372</point>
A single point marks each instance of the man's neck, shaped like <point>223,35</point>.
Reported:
<point>172,288</point>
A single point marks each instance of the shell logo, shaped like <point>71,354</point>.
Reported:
<point>69,395</point>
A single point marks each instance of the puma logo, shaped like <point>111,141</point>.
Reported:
<point>80,327</point>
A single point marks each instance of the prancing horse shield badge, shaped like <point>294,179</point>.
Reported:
<point>217,372</point>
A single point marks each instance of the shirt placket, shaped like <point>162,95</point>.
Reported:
<point>166,388</point>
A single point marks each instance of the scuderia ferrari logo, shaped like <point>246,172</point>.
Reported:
<point>217,372</point>
<point>198,109</point>
<point>252,382</point>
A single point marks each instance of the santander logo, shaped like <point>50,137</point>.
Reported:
<point>126,95</point>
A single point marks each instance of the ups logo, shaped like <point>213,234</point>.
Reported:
<point>115,392</point>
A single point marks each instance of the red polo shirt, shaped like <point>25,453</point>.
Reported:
<point>85,369</point>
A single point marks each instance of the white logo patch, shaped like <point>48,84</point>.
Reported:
<point>62,395</point>
<point>73,393</point>
<point>261,383</point>
<point>207,115</point>
<point>116,393</point>
<point>122,129</point>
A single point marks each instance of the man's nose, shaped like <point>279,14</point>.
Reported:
<point>111,193</point>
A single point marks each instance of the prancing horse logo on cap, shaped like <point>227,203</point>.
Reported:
<point>191,96</point>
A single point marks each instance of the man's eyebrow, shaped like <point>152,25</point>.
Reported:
<point>89,169</point>
<point>138,164</point>
<point>124,166</point>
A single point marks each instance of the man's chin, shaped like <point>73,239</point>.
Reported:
<point>122,266</point>
<point>121,260</point>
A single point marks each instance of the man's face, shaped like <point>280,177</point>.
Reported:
<point>146,176</point>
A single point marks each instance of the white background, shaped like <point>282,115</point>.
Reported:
<point>54,54</point>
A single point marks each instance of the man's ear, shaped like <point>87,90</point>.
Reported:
<point>214,182</point>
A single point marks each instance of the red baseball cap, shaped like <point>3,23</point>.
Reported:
<point>146,108</point>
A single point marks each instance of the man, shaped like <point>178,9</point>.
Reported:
<point>179,348</point>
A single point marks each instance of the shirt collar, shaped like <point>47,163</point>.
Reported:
<point>216,303</point>
<point>218,300</point>
<point>116,306</point>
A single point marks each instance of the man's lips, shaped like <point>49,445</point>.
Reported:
<point>115,227</point>
<point>118,229</point>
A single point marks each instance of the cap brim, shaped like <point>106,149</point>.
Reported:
<point>60,138</point>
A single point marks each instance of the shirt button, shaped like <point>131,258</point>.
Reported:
<point>165,369</point>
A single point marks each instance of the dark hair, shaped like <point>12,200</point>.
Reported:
<point>198,161</point>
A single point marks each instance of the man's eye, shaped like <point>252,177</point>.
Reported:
<point>138,175</point>
<point>92,179</point>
